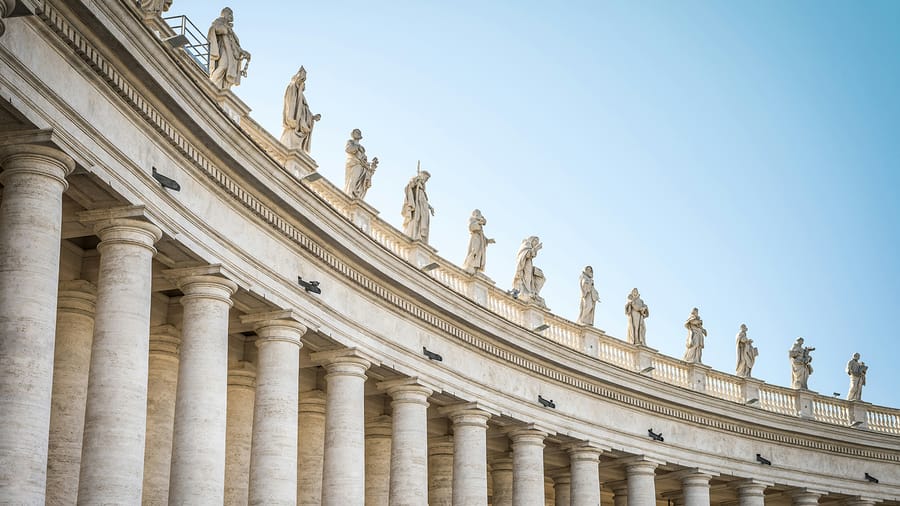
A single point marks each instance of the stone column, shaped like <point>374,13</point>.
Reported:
<point>440,472</point>
<point>33,179</point>
<point>112,456</point>
<point>273,457</point>
<point>860,501</point>
<point>805,497</point>
<point>409,448</point>
<point>528,466</point>
<point>378,461</point>
<point>343,478</point>
<point>161,388</point>
<point>620,494</point>
<point>470,453</point>
<point>198,443</point>
<point>562,489</point>
<point>585,461</point>
<point>751,493</point>
<point>641,476</point>
<point>71,364</point>
<point>502,476</point>
<point>695,488</point>
<point>239,432</point>
<point>311,447</point>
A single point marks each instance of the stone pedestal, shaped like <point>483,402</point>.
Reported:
<point>641,476</point>
<point>71,364</point>
<point>751,493</point>
<point>112,457</point>
<point>310,447</point>
<point>420,254</point>
<point>162,384</point>
<point>804,404</point>
<point>33,179</point>
<point>239,433</point>
<point>234,108</point>
<point>440,472</point>
<point>409,448</point>
<point>695,488</point>
<point>378,461</point>
<point>697,376</point>
<point>198,441</point>
<point>528,466</point>
<point>584,466</point>
<point>750,391</point>
<point>502,478</point>
<point>859,414</point>
<point>478,288</point>
<point>643,359</point>
<point>470,453</point>
<point>362,214</point>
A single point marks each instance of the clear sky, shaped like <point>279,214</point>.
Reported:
<point>740,157</point>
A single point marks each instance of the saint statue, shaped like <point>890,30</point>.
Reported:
<point>528,279</point>
<point>746,353</point>
<point>417,212</point>
<point>296,118</point>
<point>154,7</point>
<point>589,297</point>
<point>637,313</point>
<point>474,261</point>
<point>358,171</point>
<point>801,364</point>
<point>857,372</point>
<point>225,53</point>
<point>696,335</point>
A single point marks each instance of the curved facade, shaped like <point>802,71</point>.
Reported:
<point>157,346</point>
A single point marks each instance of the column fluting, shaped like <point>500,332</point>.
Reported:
<point>239,432</point>
<point>378,460</point>
<point>161,389</point>
<point>33,179</point>
<point>641,476</point>
<point>584,466</point>
<point>409,448</point>
<point>310,447</point>
<point>528,466</point>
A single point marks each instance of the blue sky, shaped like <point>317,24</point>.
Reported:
<point>740,157</point>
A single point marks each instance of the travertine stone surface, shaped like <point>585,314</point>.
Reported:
<point>297,119</point>
<point>239,432</point>
<point>198,441</point>
<point>751,493</point>
<point>440,471</point>
<point>475,256</point>
<point>33,179</point>
<point>801,364</point>
<point>409,445</point>
<point>161,391</point>
<point>528,279</point>
<point>562,489</point>
<point>417,212</point>
<point>620,494</point>
<point>225,53</point>
<point>470,453</point>
<point>112,458</point>
<point>696,336</point>
<point>343,479</point>
<point>804,497</point>
<point>378,461</point>
<point>746,353</point>
<point>310,447</point>
<point>273,456</point>
<point>641,476</point>
<point>695,488</point>
<point>71,364</point>
<point>857,370</point>
<point>584,462</point>
<point>502,478</point>
<point>589,297</point>
<point>528,466</point>
<point>637,312</point>
<point>358,169</point>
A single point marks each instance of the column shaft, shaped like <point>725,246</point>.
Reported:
<point>695,488</point>
<point>470,454</point>
<point>620,496</point>
<point>71,364</point>
<point>584,465</point>
<point>161,388</point>
<point>805,498</point>
<point>378,461</point>
<point>528,467</point>
<point>409,448</point>
<point>562,490</point>
<point>502,477</point>
<point>239,433</point>
<point>112,457</point>
<point>641,476</point>
<point>751,494</point>
<point>198,443</point>
<point>440,472</point>
<point>33,180</point>
<point>311,447</point>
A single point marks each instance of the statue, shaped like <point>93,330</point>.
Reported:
<point>358,171</point>
<point>225,53</point>
<point>297,119</point>
<point>801,364</point>
<point>474,261</point>
<point>528,279</point>
<point>746,353</point>
<point>154,7</point>
<point>637,313</point>
<point>417,211</point>
<point>857,372</point>
<point>589,297</point>
<point>695,338</point>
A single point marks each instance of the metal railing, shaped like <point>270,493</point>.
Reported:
<point>196,44</point>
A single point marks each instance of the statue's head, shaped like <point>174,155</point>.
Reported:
<point>356,134</point>
<point>476,213</point>
<point>228,14</point>
<point>799,341</point>
<point>635,293</point>
<point>856,356</point>
<point>424,175</point>
<point>300,75</point>
<point>695,311</point>
<point>589,270</point>
<point>743,328</point>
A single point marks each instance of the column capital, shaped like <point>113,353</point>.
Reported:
<point>467,414</point>
<point>408,390</point>
<point>77,296</point>
<point>527,437</point>
<point>502,463</point>
<point>344,361</point>
<point>242,374</point>
<point>585,450</point>
<point>312,401</point>
<point>641,465</point>
<point>752,487</point>
<point>165,340</point>
<point>806,496</point>
<point>441,445</point>
<point>861,501</point>
<point>127,231</point>
<point>34,159</point>
<point>560,476</point>
<point>380,426</point>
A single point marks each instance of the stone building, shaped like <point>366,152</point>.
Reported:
<point>161,342</point>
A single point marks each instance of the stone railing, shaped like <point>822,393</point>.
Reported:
<point>591,341</point>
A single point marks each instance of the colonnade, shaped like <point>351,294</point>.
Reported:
<point>98,407</point>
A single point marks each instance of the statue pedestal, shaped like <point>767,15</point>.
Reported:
<point>859,414</point>
<point>590,340</point>
<point>533,315</point>
<point>804,404</point>
<point>234,108</point>
<point>420,254</point>
<point>643,358</point>
<point>362,214</point>
<point>477,288</point>
<point>697,376</point>
<point>298,163</point>
<point>750,391</point>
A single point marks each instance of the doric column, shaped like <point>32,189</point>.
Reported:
<point>562,488</point>
<point>343,479</point>
<point>311,447</point>
<point>584,464</point>
<point>502,477</point>
<point>620,494</point>
<point>804,497</point>
<point>440,471</point>
<point>695,488</point>
<point>198,442</point>
<point>409,448</point>
<point>549,491</point>
<point>71,364</point>
<point>33,179</point>
<point>860,501</point>
<point>239,432</point>
<point>161,388</point>
<point>751,493</point>
<point>641,476</point>
<point>378,461</point>
<point>273,457</point>
<point>470,453</point>
<point>112,457</point>
<point>528,466</point>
